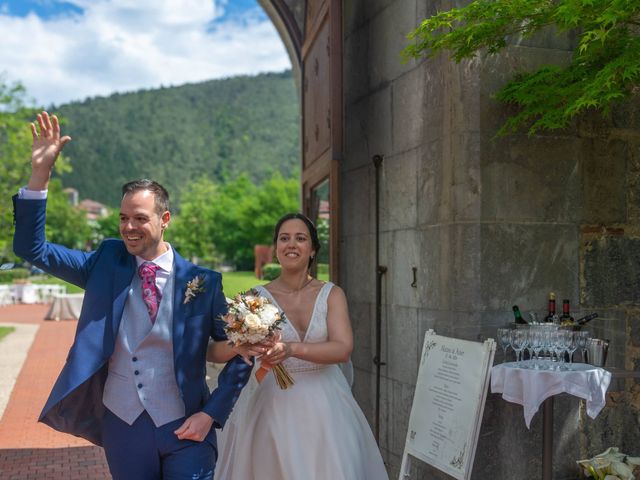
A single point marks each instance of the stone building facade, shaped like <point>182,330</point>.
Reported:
<point>470,224</point>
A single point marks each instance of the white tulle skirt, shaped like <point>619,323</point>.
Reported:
<point>314,430</point>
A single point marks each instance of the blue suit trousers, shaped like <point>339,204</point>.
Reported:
<point>143,451</point>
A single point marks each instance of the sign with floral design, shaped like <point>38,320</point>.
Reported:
<point>448,404</point>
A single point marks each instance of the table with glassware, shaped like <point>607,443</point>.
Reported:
<point>534,382</point>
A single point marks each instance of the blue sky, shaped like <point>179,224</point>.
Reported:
<point>47,9</point>
<point>42,8</point>
<point>72,49</point>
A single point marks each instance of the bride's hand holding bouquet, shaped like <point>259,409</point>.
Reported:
<point>251,326</point>
<point>277,352</point>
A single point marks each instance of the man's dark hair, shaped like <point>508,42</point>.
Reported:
<point>313,233</point>
<point>160,194</point>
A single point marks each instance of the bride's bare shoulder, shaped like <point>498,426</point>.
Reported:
<point>337,295</point>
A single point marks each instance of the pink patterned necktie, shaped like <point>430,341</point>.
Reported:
<point>150,293</point>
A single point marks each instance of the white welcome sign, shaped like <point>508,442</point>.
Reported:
<point>448,404</point>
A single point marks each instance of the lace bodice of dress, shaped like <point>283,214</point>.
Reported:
<point>316,331</point>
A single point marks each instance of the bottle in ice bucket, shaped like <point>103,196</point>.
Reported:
<point>518,315</point>
<point>551,316</point>
<point>586,318</point>
<point>566,320</point>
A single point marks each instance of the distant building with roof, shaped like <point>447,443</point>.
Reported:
<point>93,209</point>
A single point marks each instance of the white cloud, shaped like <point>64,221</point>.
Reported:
<point>125,45</point>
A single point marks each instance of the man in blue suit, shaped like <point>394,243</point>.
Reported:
<point>134,380</point>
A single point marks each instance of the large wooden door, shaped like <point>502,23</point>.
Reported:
<point>321,70</point>
<point>312,33</point>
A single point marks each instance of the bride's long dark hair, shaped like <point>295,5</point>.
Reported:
<point>313,233</point>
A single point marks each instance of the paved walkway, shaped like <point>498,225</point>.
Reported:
<point>30,450</point>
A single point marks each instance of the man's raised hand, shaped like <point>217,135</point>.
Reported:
<point>46,147</point>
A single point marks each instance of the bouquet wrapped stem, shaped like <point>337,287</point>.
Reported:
<point>283,379</point>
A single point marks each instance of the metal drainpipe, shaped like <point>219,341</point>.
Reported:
<point>380,271</point>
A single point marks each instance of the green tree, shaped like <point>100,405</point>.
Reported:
<point>15,151</point>
<point>64,224</point>
<point>190,230</point>
<point>109,226</point>
<point>322,226</point>
<point>604,70</point>
<point>219,223</point>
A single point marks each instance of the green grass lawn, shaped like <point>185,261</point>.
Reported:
<point>233,282</point>
<point>46,279</point>
<point>4,331</point>
<point>236,282</point>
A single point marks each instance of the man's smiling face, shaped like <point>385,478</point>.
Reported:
<point>141,226</point>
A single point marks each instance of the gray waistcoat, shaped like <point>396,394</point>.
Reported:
<point>141,375</point>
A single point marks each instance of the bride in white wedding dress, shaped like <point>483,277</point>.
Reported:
<point>314,430</point>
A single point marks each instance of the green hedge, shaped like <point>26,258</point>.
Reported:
<point>8,276</point>
<point>271,271</point>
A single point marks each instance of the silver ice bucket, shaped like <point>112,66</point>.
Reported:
<point>597,352</point>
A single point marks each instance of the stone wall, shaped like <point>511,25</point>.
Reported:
<point>487,223</point>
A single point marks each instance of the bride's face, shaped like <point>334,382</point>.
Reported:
<point>293,246</point>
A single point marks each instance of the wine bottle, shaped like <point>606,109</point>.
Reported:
<point>586,318</point>
<point>551,317</point>
<point>566,318</point>
<point>518,315</point>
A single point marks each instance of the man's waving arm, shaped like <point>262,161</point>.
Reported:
<point>45,150</point>
<point>29,240</point>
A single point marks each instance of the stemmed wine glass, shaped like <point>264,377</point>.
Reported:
<point>582,341</point>
<point>572,345</point>
<point>561,347</point>
<point>504,338</point>
<point>554,346</point>
<point>536,341</point>
<point>547,342</point>
<point>518,342</point>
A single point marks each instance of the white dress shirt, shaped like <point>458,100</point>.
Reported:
<point>165,262</point>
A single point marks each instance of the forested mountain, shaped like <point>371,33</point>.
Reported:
<point>216,129</point>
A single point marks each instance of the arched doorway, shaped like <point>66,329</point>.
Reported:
<point>312,33</point>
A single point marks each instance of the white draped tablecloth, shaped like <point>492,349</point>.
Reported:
<point>25,293</point>
<point>6,295</point>
<point>530,387</point>
<point>30,293</point>
<point>65,307</point>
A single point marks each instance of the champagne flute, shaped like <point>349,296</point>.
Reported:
<point>572,345</point>
<point>582,342</point>
<point>547,336</point>
<point>504,339</point>
<point>536,340</point>
<point>561,347</point>
<point>554,346</point>
<point>518,343</point>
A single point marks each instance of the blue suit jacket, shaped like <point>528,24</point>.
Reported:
<point>75,403</point>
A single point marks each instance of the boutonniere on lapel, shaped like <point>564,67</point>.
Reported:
<point>194,287</point>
